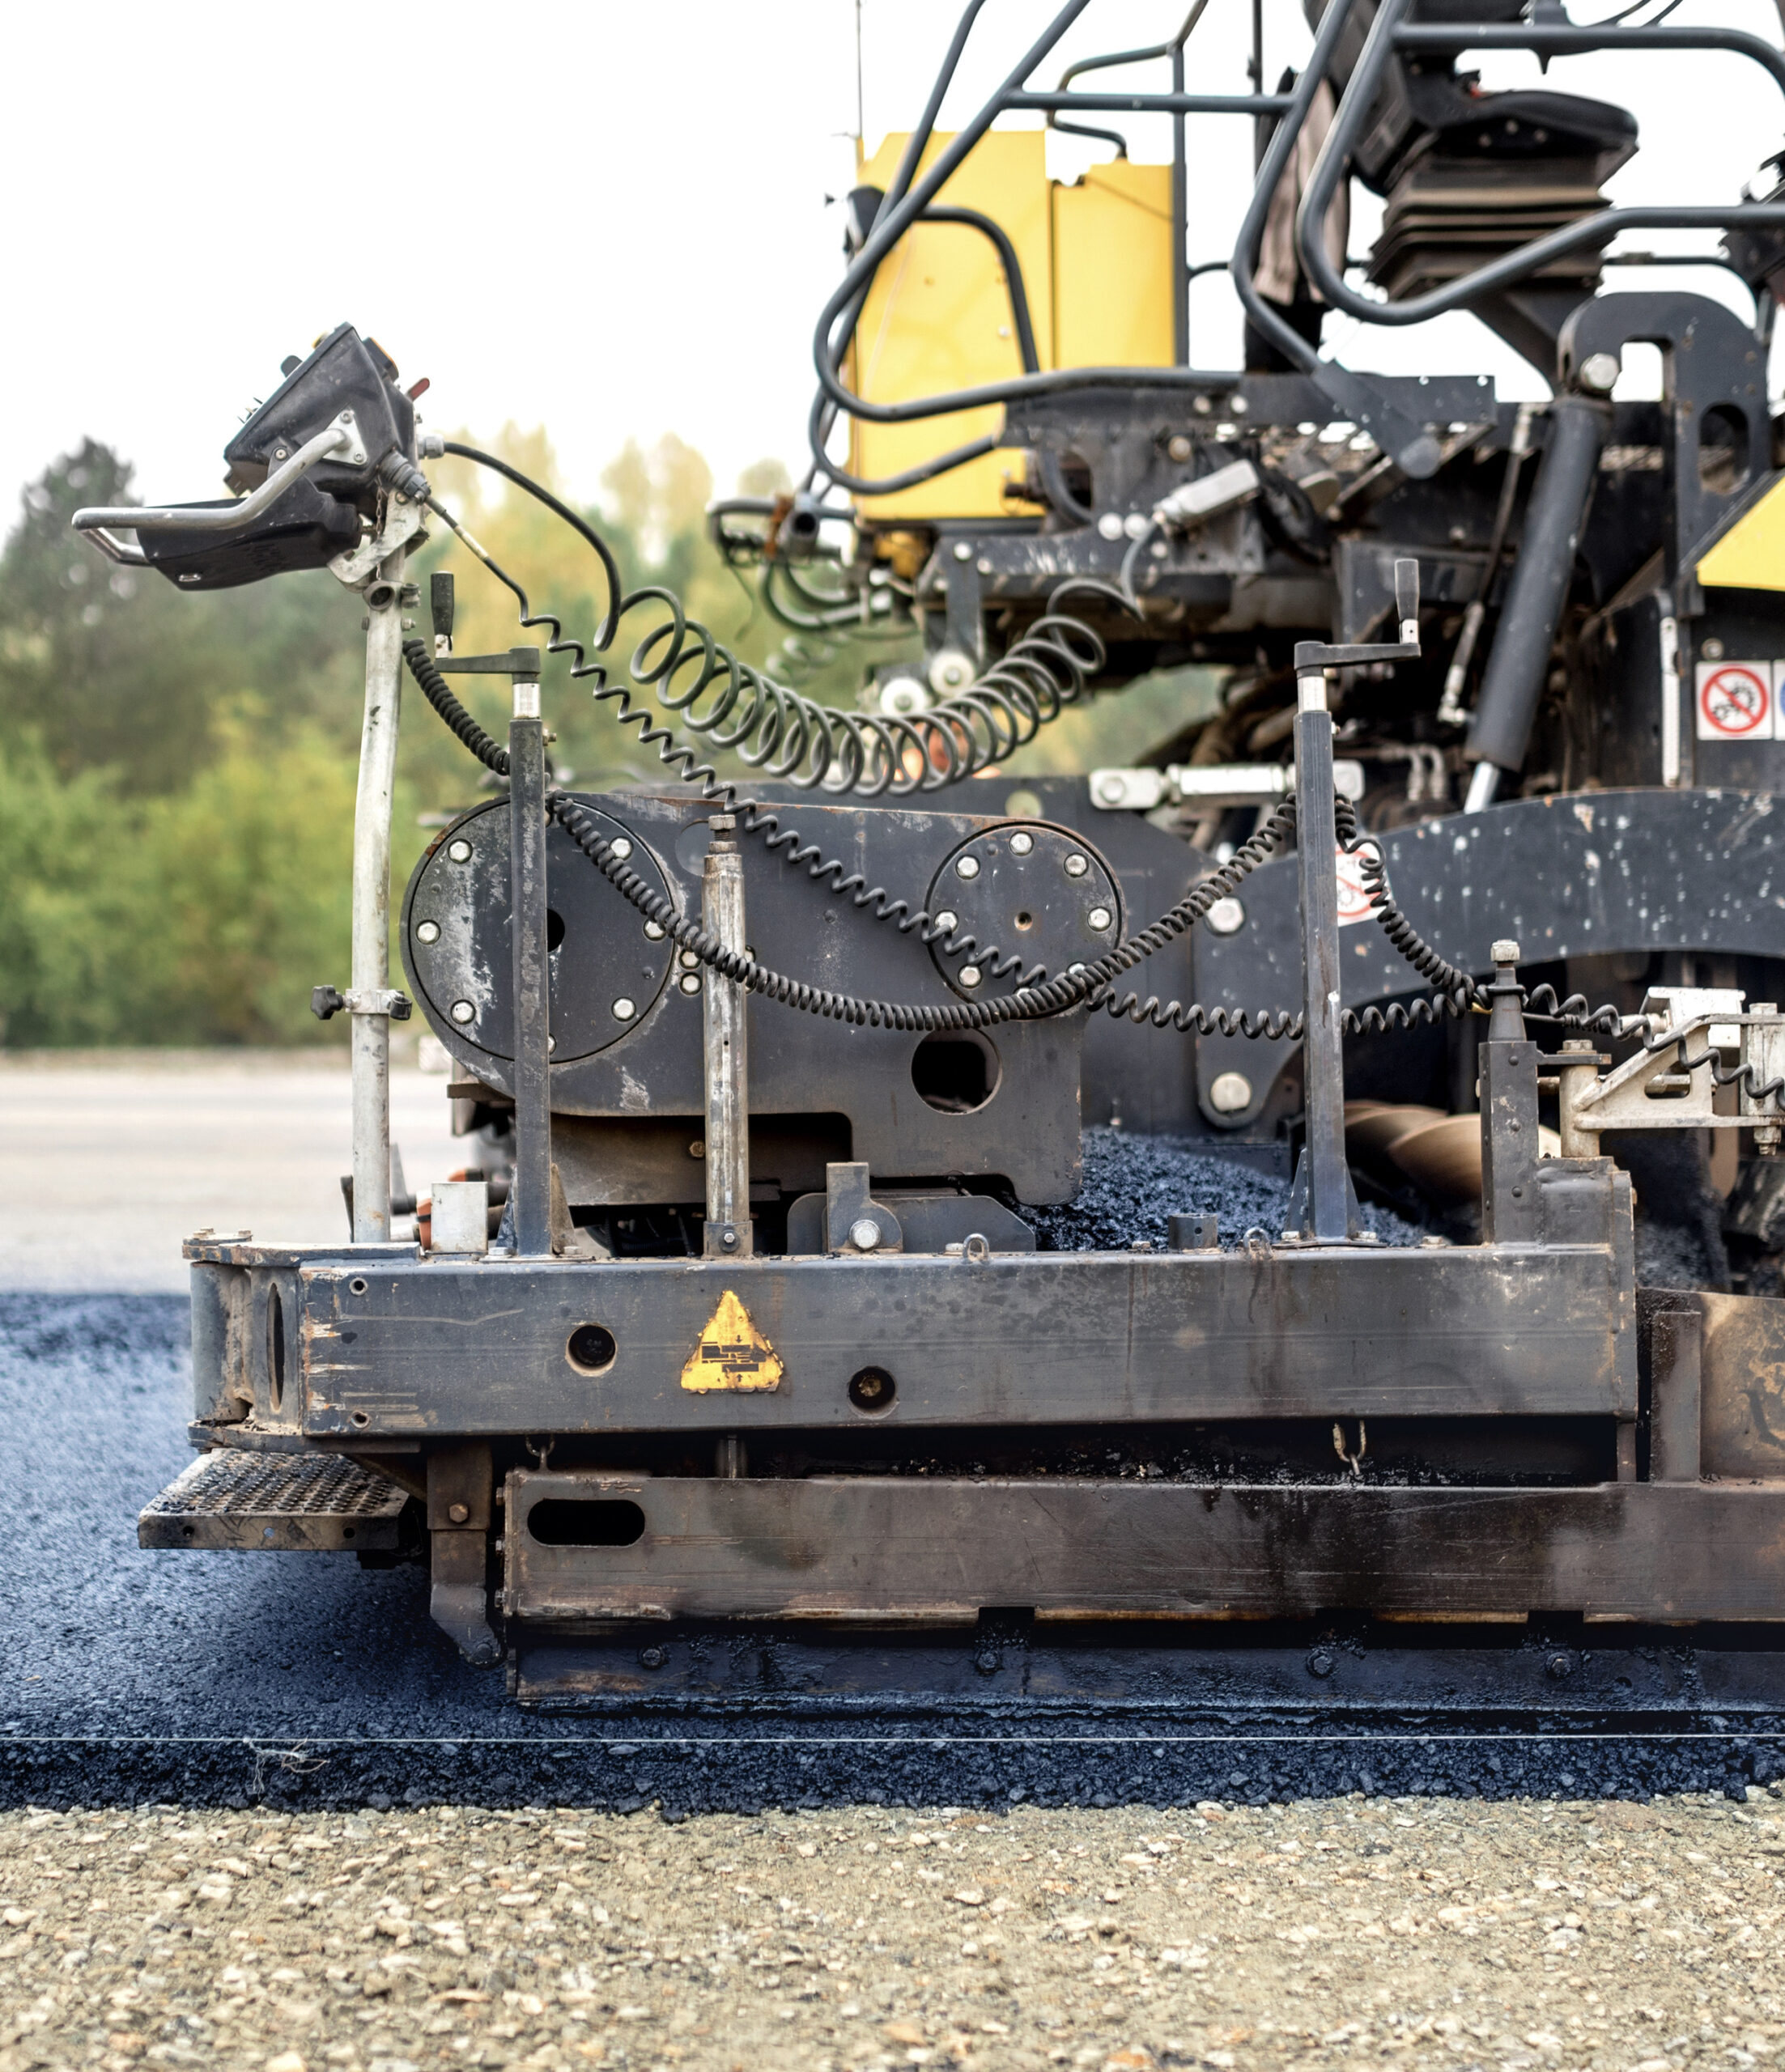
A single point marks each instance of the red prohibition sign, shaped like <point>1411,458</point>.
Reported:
<point>1734,699</point>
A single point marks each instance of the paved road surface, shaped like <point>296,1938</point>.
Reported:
<point>115,1159</point>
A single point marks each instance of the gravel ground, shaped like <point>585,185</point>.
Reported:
<point>1619,1934</point>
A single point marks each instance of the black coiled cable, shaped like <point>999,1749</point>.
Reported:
<point>794,739</point>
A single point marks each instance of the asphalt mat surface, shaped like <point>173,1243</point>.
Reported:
<point>307,1680</point>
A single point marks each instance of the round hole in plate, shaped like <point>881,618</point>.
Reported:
<point>356,1286</point>
<point>1025,921</point>
<point>360,1417</point>
<point>872,1389</point>
<point>554,928</point>
<point>956,1071</point>
<point>346,1532</point>
<point>591,1348</point>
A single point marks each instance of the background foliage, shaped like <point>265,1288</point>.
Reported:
<point>176,773</point>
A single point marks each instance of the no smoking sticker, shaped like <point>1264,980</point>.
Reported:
<point>1355,904</point>
<point>1737,702</point>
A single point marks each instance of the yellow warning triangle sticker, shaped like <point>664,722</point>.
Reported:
<point>733,1354</point>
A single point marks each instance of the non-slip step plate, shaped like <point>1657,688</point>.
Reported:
<point>318,1503</point>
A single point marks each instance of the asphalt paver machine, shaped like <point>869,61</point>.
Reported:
<point>1458,918</point>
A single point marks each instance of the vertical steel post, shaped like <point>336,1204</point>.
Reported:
<point>532,1183</point>
<point>730,1234</point>
<point>1181,222</point>
<point>371,1032</point>
<point>1326,1214</point>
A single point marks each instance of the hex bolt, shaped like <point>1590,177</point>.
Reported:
<point>970,974</point>
<point>1099,918</point>
<point>1109,526</point>
<point>986,1661</point>
<point>1559,1666</point>
<point>967,866</point>
<point>1599,373</point>
<point>624,1009</point>
<point>1504,952</point>
<point>620,847</point>
<point>1077,865</point>
<point>428,931</point>
<point>1021,844</point>
<point>464,1011</point>
<point>653,932</point>
<point>946,921</point>
<point>1322,1663</point>
<point>652,1658</point>
<point>698,1148</point>
<point>962,551</point>
<point>459,851</point>
<point>1179,446</point>
<point>1227,917</point>
<point>459,1514</point>
<point>689,960</point>
<point>729,1239</point>
<point>689,983</point>
<point>865,1233</point>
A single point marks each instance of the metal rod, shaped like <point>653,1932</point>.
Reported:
<point>729,1233</point>
<point>1326,1216</point>
<point>532,1183</point>
<point>1181,222</point>
<point>371,1037</point>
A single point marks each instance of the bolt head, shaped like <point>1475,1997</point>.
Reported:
<point>970,974</point>
<point>967,866</point>
<point>624,1009</point>
<point>962,551</point>
<point>1022,843</point>
<point>689,983</point>
<point>697,1149</point>
<point>1109,526</point>
<point>459,1514</point>
<point>948,922</point>
<point>1179,446</point>
<point>652,1658</point>
<point>1231,1094</point>
<point>463,1011</point>
<point>865,1233</point>
<point>1077,865</point>
<point>1599,372</point>
<point>1227,917</point>
<point>620,847</point>
<point>1099,918</point>
<point>729,1239</point>
<point>1505,952</point>
<point>653,932</point>
<point>427,931</point>
<point>459,851</point>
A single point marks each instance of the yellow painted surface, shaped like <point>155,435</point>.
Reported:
<point>1096,260</point>
<point>938,317</point>
<point>1112,268</point>
<point>731,1354</point>
<point>1751,554</point>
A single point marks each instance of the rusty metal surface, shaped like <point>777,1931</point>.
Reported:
<point>418,1347</point>
<point>268,1502</point>
<point>865,1547</point>
<point>1743,1432</point>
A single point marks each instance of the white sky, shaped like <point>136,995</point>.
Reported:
<point>607,218</point>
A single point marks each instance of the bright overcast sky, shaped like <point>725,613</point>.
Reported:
<point>610,219</point>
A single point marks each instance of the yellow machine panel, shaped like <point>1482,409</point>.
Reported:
<point>1751,553</point>
<point>1112,268</point>
<point>1096,265</point>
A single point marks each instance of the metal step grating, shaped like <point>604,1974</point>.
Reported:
<point>307,1502</point>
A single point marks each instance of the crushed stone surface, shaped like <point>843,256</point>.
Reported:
<point>1636,1936</point>
<point>1133,1182</point>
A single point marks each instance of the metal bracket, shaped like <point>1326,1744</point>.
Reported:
<point>850,1215</point>
<point>403,519</point>
<point>328,1001</point>
<point>1651,1092</point>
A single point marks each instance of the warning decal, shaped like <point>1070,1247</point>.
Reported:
<point>733,1354</point>
<point>1735,702</point>
<point>1355,904</point>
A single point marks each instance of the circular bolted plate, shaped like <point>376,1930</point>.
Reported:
<point>458,952</point>
<point>1033,892</point>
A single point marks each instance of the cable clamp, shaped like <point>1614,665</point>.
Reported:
<point>328,1001</point>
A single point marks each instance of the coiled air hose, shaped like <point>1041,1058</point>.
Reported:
<point>680,660</point>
